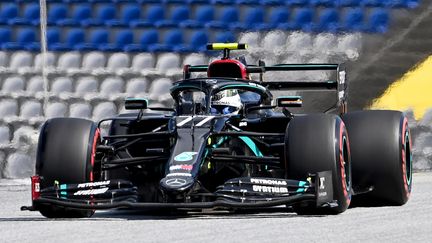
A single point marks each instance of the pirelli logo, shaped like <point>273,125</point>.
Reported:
<point>196,121</point>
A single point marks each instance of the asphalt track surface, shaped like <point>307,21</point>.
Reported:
<point>411,222</point>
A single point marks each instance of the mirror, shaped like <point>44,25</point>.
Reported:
<point>136,104</point>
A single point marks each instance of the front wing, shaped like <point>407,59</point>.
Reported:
<point>237,193</point>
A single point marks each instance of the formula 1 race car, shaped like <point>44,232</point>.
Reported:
<point>228,144</point>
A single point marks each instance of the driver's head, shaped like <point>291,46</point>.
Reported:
<point>226,102</point>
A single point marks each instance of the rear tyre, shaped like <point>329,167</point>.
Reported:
<point>381,155</point>
<point>316,143</point>
<point>66,153</point>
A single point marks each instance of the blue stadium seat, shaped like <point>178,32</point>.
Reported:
<point>325,3</point>
<point>129,13</point>
<point>56,12</point>
<point>403,3</point>
<point>227,16</point>
<point>349,3</point>
<point>272,2</point>
<point>30,16</point>
<point>74,37</point>
<point>374,3</point>
<point>175,1</point>
<point>98,39</point>
<point>199,1</point>
<point>300,3</point>
<point>225,2</point>
<point>248,2</point>
<point>82,12</point>
<point>5,36</point>
<point>178,14</point>
<point>203,14</point>
<point>278,18</point>
<point>154,13</point>
<point>25,40</point>
<point>224,37</point>
<point>303,18</point>
<point>353,20</point>
<point>123,38</point>
<point>147,38</point>
<point>252,19</point>
<point>378,21</point>
<point>8,12</point>
<point>328,21</point>
<point>105,13</point>
<point>197,43</point>
<point>172,38</point>
<point>53,37</point>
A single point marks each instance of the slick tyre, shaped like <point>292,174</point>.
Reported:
<point>381,157</point>
<point>316,143</point>
<point>66,153</point>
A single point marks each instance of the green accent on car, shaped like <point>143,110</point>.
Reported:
<point>255,86</point>
<point>251,145</point>
<point>302,185</point>
<point>220,142</point>
<point>63,194</point>
<point>132,98</point>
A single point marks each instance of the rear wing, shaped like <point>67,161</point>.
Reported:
<point>339,84</point>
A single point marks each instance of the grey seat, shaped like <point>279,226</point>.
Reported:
<point>21,59</point>
<point>31,109</point>
<point>251,38</point>
<point>61,85</point>
<point>3,59</point>
<point>86,84</point>
<point>8,107</point>
<point>274,40</point>
<point>81,110</point>
<point>69,60</point>
<point>39,62</point>
<point>4,135</point>
<point>35,84</point>
<point>13,84</point>
<point>118,61</point>
<point>160,88</point>
<point>299,41</point>
<point>136,86</point>
<point>93,60</point>
<point>112,85</point>
<point>167,61</point>
<point>143,61</point>
<point>350,44</point>
<point>195,59</point>
<point>325,43</point>
<point>104,110</point>
<point>56,109</point>
<point>18,165</point>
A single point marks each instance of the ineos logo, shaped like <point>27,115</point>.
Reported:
<point>176,182</point>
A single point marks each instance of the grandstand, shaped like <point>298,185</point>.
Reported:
<point>101,51</point>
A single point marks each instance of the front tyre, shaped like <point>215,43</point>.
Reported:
<point>381,155</point>
<point>66,153</point>
<point>316,143</point>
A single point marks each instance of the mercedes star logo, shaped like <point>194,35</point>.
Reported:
<point>176,182</point>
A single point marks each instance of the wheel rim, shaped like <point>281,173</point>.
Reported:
<point>408,158</point>
<point>346,163</point>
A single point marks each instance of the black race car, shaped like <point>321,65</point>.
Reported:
<point>199,154</point>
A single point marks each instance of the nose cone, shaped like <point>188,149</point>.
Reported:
<point>178,183</point>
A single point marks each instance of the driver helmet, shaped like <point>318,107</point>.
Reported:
<point>226,102</point>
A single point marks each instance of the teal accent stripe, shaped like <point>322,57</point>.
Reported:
<point>301,184</point>
<point>220,142</point>
<point>251,145</point>
<point>258,87</point>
